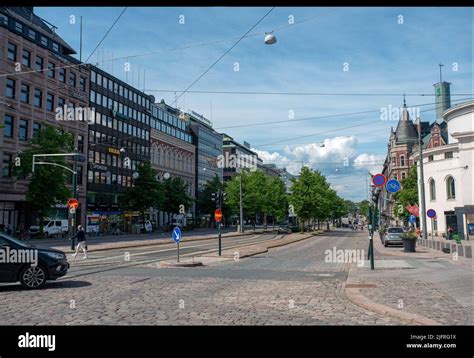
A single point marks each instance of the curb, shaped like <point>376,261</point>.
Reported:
<point>180,264</point>
<point>355,296</point>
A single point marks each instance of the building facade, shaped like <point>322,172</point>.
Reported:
<point>40,83</point>
<point>119,141</point>
<point>398,161</point>
<point>237,157</point>
<point>448,173</point>
<point>172,151</point>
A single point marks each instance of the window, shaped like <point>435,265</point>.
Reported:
<point>44,40</point>
<point>51,70</point>
<point>80,143</point>
<point>23,129</point>
<point>38,98</point>
<point>450,188</point>
<point>36,129</point>
<point>11,52</point>
<point>7,166</point>
<point>79,174</point>
<point>10,89</point>
<point>402,161</point>
<point>432,185</point>
<point>99,79</point>
<point>62,75</point>
<point>403,175</point>
<point>55,47</point>
<point>50,102</point>
<point>90,176</point>
<point>26,58</point>
<point>8,123</point>
<point>448,155</point>
<point>92,96</point>
<point>3,19</point>
<point>430,158</point>
<point>39,63</point>
<point>25,93</point>
<point>32,34</point>
<point>72,79</point>
<point>61,102</point>
<point>18,26</point>
<point>82,83</point>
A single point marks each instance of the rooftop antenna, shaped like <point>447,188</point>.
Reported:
<point>144,77</point>
<point>112,61</point>
<point>440,72</point>
<point>138,78</point>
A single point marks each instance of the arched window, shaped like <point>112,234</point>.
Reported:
<point>450,188</point>
<point>432,189</point>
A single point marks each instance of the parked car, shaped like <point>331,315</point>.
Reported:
<point>393,236</point>
<point>49,264</point>
<point>284,228</point>
<point>51,228</point>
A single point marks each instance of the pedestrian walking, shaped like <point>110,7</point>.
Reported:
<point>81,241</point>
<point>450,233</point>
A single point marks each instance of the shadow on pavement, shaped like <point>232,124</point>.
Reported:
<point>51,285</point>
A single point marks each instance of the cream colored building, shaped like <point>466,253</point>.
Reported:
<point>448,175</point>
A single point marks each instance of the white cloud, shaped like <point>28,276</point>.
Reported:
<point>279,160</point>
<point>373,162</point>
<point>334,150</point>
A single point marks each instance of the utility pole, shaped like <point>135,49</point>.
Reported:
<point>422,184</point>
<point>241,207</point>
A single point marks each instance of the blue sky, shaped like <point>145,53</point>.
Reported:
<point>383,57</point>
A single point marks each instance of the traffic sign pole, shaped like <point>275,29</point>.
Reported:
<point>220,242</point>
<point>178,251</point>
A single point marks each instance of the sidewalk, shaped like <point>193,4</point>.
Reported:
<point>427,287</point>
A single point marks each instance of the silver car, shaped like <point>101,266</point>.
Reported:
<point>392,236</point>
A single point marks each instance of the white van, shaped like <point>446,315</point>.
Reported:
<point>52,227</point>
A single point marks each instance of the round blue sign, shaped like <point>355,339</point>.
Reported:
<point>176,234</point>
<point>393,185</point>
<point>431,213</point>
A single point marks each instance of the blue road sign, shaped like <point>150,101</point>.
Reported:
<point>393,185</point>
<point>176,234</point>
<point>431,213</point>
<point>412,219</point>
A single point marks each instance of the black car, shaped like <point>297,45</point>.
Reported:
<point>29,265</point>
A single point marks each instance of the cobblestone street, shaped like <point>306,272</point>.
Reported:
<point>291,285</point>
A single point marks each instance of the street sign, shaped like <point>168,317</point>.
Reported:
<point>72,203</point>
<point>176,234</point>
<point>412,219</point>
<point>379,180</point>
<point>218,215</point>
<point>431,213</point>
<point>393,185</point>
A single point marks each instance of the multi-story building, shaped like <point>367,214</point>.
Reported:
<point>119,140</point>
<point>448,175</point>
<point>172,150</point>
<point>398,161</point>
<point>208,144</point>
<point>237,157</point>
<point>39,80</point>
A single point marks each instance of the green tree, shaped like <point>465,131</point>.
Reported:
<point>175,194</point>
<point>363,208</point>
<point>205,202</point>
<point>47,185</point>
<point>276,199</point>
<point>146,192</point>
<point>304,197</point>
<point>408,194</point>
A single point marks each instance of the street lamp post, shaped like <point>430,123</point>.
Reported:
<point>73,171</point>
<point>241,207</point>
<point>422,185</point>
